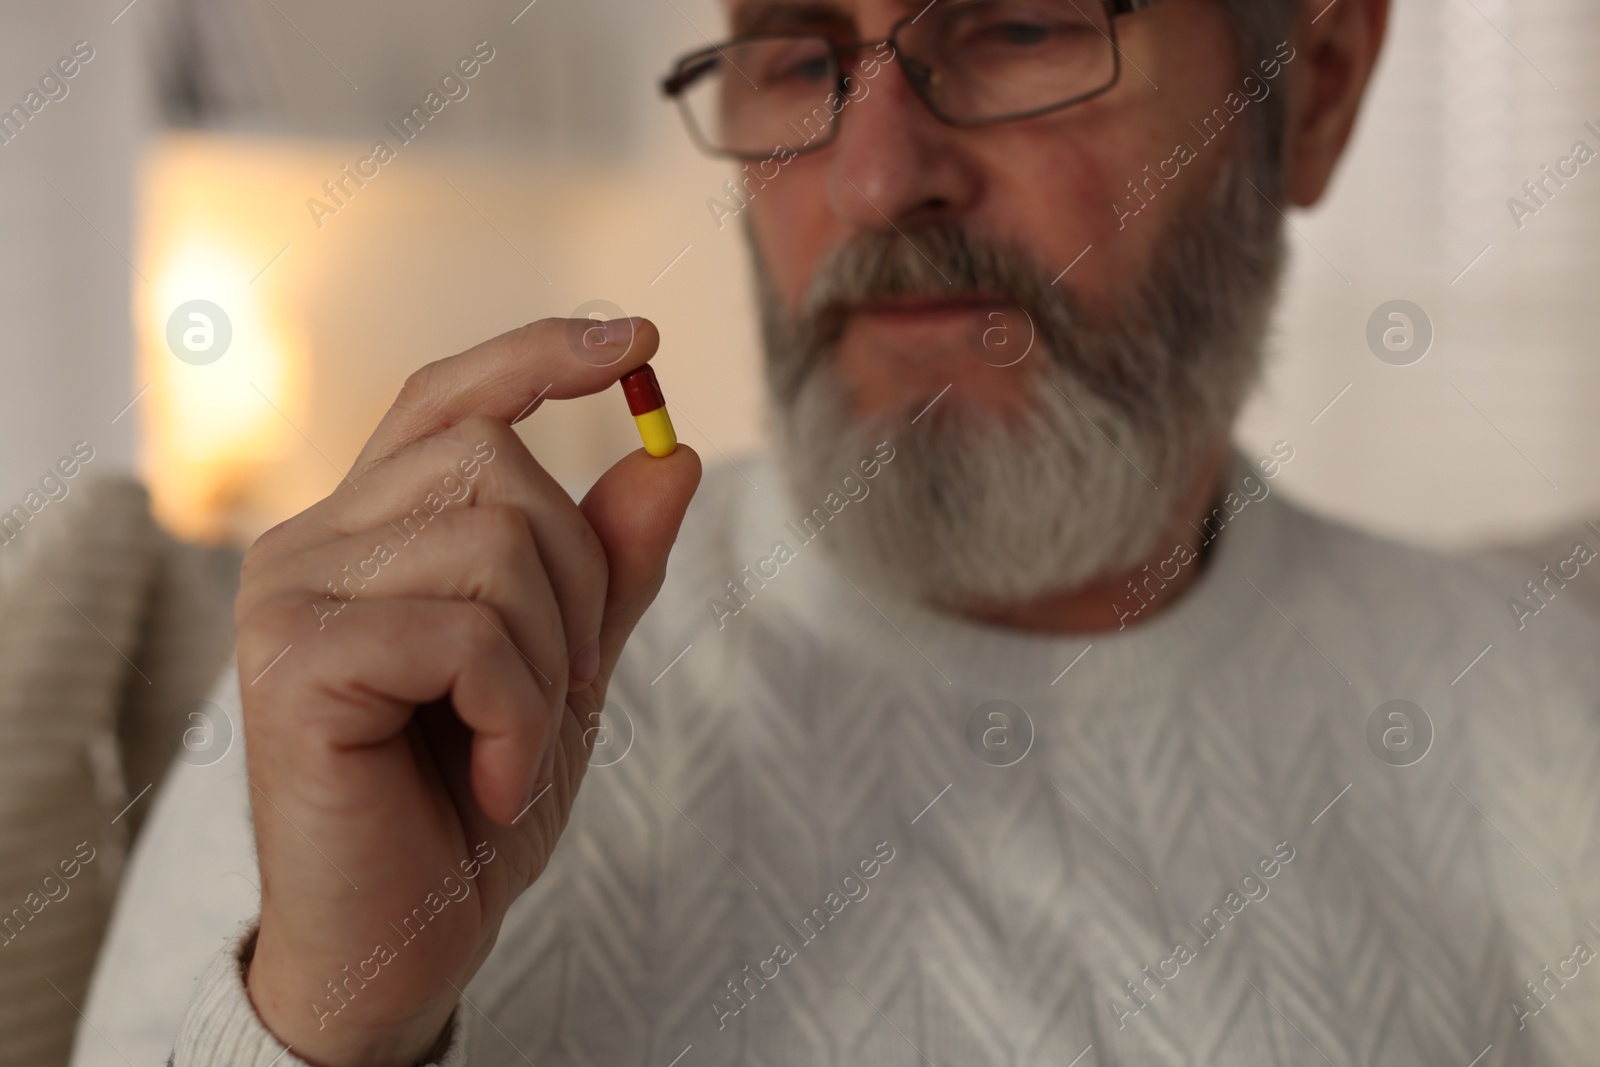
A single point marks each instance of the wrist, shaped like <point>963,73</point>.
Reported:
<point>327,1026</point>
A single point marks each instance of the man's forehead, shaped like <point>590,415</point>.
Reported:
<point>747,16</point>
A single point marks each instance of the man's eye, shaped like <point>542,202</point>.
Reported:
<point>1022,33</point>
<point>802,70</point>
<point>809,70</point>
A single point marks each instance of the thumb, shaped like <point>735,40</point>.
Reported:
<point>636,509</point>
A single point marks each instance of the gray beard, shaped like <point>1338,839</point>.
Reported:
<point>977,507</point>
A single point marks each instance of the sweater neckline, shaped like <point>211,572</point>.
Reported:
<point>1151,658</point>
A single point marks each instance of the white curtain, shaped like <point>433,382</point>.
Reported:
<point>66,235</point>
<point>1493,435</point>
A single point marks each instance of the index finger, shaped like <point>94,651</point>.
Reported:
<point>509,376</point>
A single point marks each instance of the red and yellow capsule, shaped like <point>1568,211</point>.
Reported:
<point>649,409</point>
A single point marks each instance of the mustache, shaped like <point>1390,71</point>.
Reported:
<point>937,260</point>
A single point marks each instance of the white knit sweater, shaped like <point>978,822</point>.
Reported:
<point>1200,858</point>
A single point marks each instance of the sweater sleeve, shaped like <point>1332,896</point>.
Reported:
<point>221,1028</point>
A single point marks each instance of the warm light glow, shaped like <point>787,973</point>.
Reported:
<point>208,426</point>
<point>331,313</point>
<point>214,413</point>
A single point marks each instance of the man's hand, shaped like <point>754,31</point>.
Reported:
<point>451,618</point>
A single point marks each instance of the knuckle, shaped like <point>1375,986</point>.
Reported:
<point>501,532</point>
<point>480,635</point>
<point>476,428</point>
<point>254,563</point>
<point>417,391</point>
<point>534,335</point>
<point>478,630</point>
<point>265,549</point>
<point>265,630</point>
<point>257,574</point>
<point>275,618</point>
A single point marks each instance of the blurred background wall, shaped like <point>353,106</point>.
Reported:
<point>66,183</point>
<point>1493,435</point>
<point>180,166</point>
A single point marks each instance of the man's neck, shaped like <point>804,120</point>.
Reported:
<point>1132,596</point>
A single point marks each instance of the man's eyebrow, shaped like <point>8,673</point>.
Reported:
<point>766,16</point>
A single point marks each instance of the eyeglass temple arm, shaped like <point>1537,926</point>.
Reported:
<point>674,83</point>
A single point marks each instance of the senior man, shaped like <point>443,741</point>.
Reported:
<point>1005,715</point>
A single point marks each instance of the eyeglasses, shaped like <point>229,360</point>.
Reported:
<point>972,62</point>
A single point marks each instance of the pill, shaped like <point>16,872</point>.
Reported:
<point>649,409</point>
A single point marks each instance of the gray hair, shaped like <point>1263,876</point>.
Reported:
<point>1262,26</point>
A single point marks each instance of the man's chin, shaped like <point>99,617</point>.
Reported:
<point>971,508</point>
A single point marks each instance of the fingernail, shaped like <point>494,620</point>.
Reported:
<point>594,333</point>
<point>585,665</point>
<point>619,331</point>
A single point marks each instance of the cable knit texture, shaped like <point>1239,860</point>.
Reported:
<point>222,1028</point>
<point>110,628</point>
<point>790,852</point>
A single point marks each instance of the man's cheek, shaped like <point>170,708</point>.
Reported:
<point>789,228</point>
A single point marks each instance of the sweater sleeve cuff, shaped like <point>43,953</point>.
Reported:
<point>221,1026</point>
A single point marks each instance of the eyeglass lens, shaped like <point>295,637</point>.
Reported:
<point>974,61</point>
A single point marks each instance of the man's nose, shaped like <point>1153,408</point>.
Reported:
<point>892,162</point>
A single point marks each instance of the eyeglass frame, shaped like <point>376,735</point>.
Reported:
<point>673,84</point>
